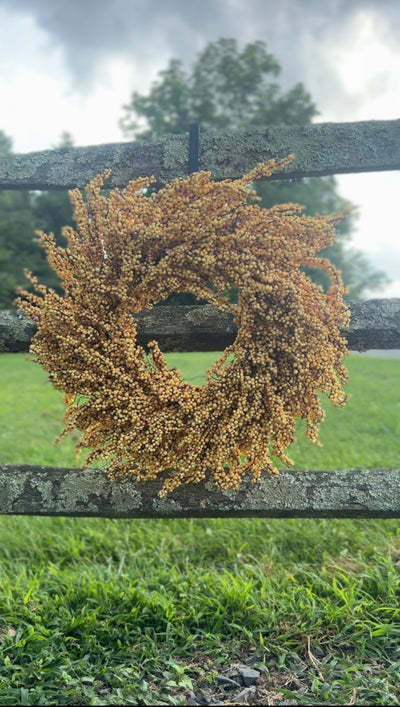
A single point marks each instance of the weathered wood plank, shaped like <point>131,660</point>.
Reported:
<point>375,324</point>
<point>320,149</point>
<point>47,491</point>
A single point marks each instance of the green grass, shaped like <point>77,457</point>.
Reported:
<point>96,611</point>
<point>363,434</point>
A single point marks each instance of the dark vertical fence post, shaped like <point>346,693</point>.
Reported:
<point>194,145</point>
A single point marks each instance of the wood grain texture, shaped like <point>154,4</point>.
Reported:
<point>320,149</point>
<point>375,324</point>
<point>47,491</point>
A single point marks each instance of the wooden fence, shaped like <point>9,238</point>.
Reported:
<point>320,149</point>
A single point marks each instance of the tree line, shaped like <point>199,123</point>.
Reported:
<point>225,89</point>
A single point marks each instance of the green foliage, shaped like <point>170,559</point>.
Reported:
<point>31,413</point>
<point>66,141</point>
<point>319,196</point>
<point>18,244</point>
<point>21,214</point>
<point>232,90</point>
<point>52,211</point>
<point>227,90</point>
<point>15,233</point>
<point>5,144</point>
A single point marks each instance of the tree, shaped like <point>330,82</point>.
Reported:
<point>5,144</point>
<point>232,90</point>
<point>52,209</point>
<point>21,214</point>
<point>17,241</point>
<point>226,90</point>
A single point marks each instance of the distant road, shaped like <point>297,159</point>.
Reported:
<point>382,353</point>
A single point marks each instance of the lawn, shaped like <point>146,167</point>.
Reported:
<point>105,612</point>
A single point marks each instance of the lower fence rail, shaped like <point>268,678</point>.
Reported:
<point>50,491</point>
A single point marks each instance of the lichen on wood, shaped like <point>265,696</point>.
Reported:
<point>48,491</point>
<point>374,324</point>
<point>321,149</point>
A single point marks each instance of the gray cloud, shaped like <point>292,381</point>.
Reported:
<point>294,30</point>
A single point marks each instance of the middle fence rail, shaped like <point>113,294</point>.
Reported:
<point>375,324</point>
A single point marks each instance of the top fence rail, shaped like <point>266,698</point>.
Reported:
<point>320,149</point>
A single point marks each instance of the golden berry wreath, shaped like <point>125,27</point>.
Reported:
<point>130,251</point>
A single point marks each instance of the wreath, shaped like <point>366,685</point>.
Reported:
<point>131,250</point>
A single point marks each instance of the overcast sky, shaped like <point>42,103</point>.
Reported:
<point>72,64</point>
